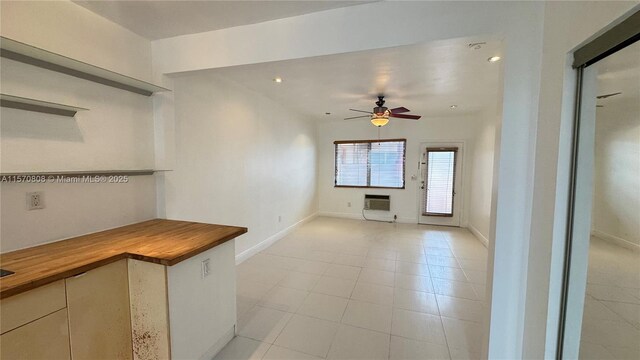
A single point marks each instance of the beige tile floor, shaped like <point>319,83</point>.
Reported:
<point>349,289</point>
<point>611,318</point>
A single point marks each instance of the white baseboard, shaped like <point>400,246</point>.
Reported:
<point>271,239</point>
<point>615,240</point>
<point>371,216</point>
<point>479,235</point>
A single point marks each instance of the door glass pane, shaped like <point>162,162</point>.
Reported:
<point>440,179</point>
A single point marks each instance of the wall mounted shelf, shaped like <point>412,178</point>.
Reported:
<point>88,173</point>
<point>32,55</point>
<point>22,103</point>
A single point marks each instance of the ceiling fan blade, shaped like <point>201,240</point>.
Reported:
<point>399,110</point>
<point>357,117</point>
<point>403,116</point>
<point>608,95</point>
<point>368,112</point>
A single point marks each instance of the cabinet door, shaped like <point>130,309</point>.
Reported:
<point>31,305</point>
<point>99,315</point>
<point>45,338</point>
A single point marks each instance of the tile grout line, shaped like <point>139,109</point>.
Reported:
<point>405,241</point>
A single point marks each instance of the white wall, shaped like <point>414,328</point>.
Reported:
<point>616,198</point>
<point>71,210</point>
<point>71,30</point>
<point>566,25</point>
<point>519,24</point>
<point>115,134</point>
<point>481,177</point>
<point>241,159</point>
<point>404,202</point>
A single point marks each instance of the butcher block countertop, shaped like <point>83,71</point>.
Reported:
<point>165,242</point>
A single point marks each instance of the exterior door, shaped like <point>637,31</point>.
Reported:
<point>441,184</point>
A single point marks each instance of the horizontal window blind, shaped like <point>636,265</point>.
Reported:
<point>440,181</point>
<point>351,164</point>
<point>370,163</point>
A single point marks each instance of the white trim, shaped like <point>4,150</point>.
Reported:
<point>615,240</point>
<point>271,239</point>
<point>340,215</point>
<point>358,216</point>
<point>478,234</point>
<point>220,344</point>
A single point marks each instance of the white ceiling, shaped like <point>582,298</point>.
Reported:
<point>155,19</point>
<point>425,78</point>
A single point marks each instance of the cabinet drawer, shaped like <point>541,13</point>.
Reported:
<point>23,308</point>
<point>45,338</point>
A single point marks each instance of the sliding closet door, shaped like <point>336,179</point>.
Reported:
<point>601,299</point>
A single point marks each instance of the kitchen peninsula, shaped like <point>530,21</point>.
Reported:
<point>153,290</point>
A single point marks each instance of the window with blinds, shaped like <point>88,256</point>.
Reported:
<point>370,163</point>
<point>440,179</point>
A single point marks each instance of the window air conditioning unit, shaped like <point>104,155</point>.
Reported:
<point>377,202</point>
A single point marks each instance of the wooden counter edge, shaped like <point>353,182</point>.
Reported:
<point>15,290</point>
<point>189,254</point>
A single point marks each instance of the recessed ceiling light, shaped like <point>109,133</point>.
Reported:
<point>278,79</point>
<point>453,106</point>
<point>494,59</point>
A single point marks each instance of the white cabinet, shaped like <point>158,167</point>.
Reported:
<point>26,307</point>
<point>34,324</point>
<point>127,310</point>
<point>99,314</point>
<point>45,338</point>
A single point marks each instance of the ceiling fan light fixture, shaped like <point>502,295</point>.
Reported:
<point>380,115</point>
<point>379,121</point>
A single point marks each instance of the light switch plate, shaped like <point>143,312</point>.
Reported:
<point>206,270</point>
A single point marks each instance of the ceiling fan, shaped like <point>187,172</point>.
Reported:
<point>381,114</point>
<point>606,96</point>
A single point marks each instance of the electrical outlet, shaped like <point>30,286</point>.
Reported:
<point>349,204</point>
<point>206,269</point>
<point>35,200</point>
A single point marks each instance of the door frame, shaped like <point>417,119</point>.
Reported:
<point>460,176</point>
